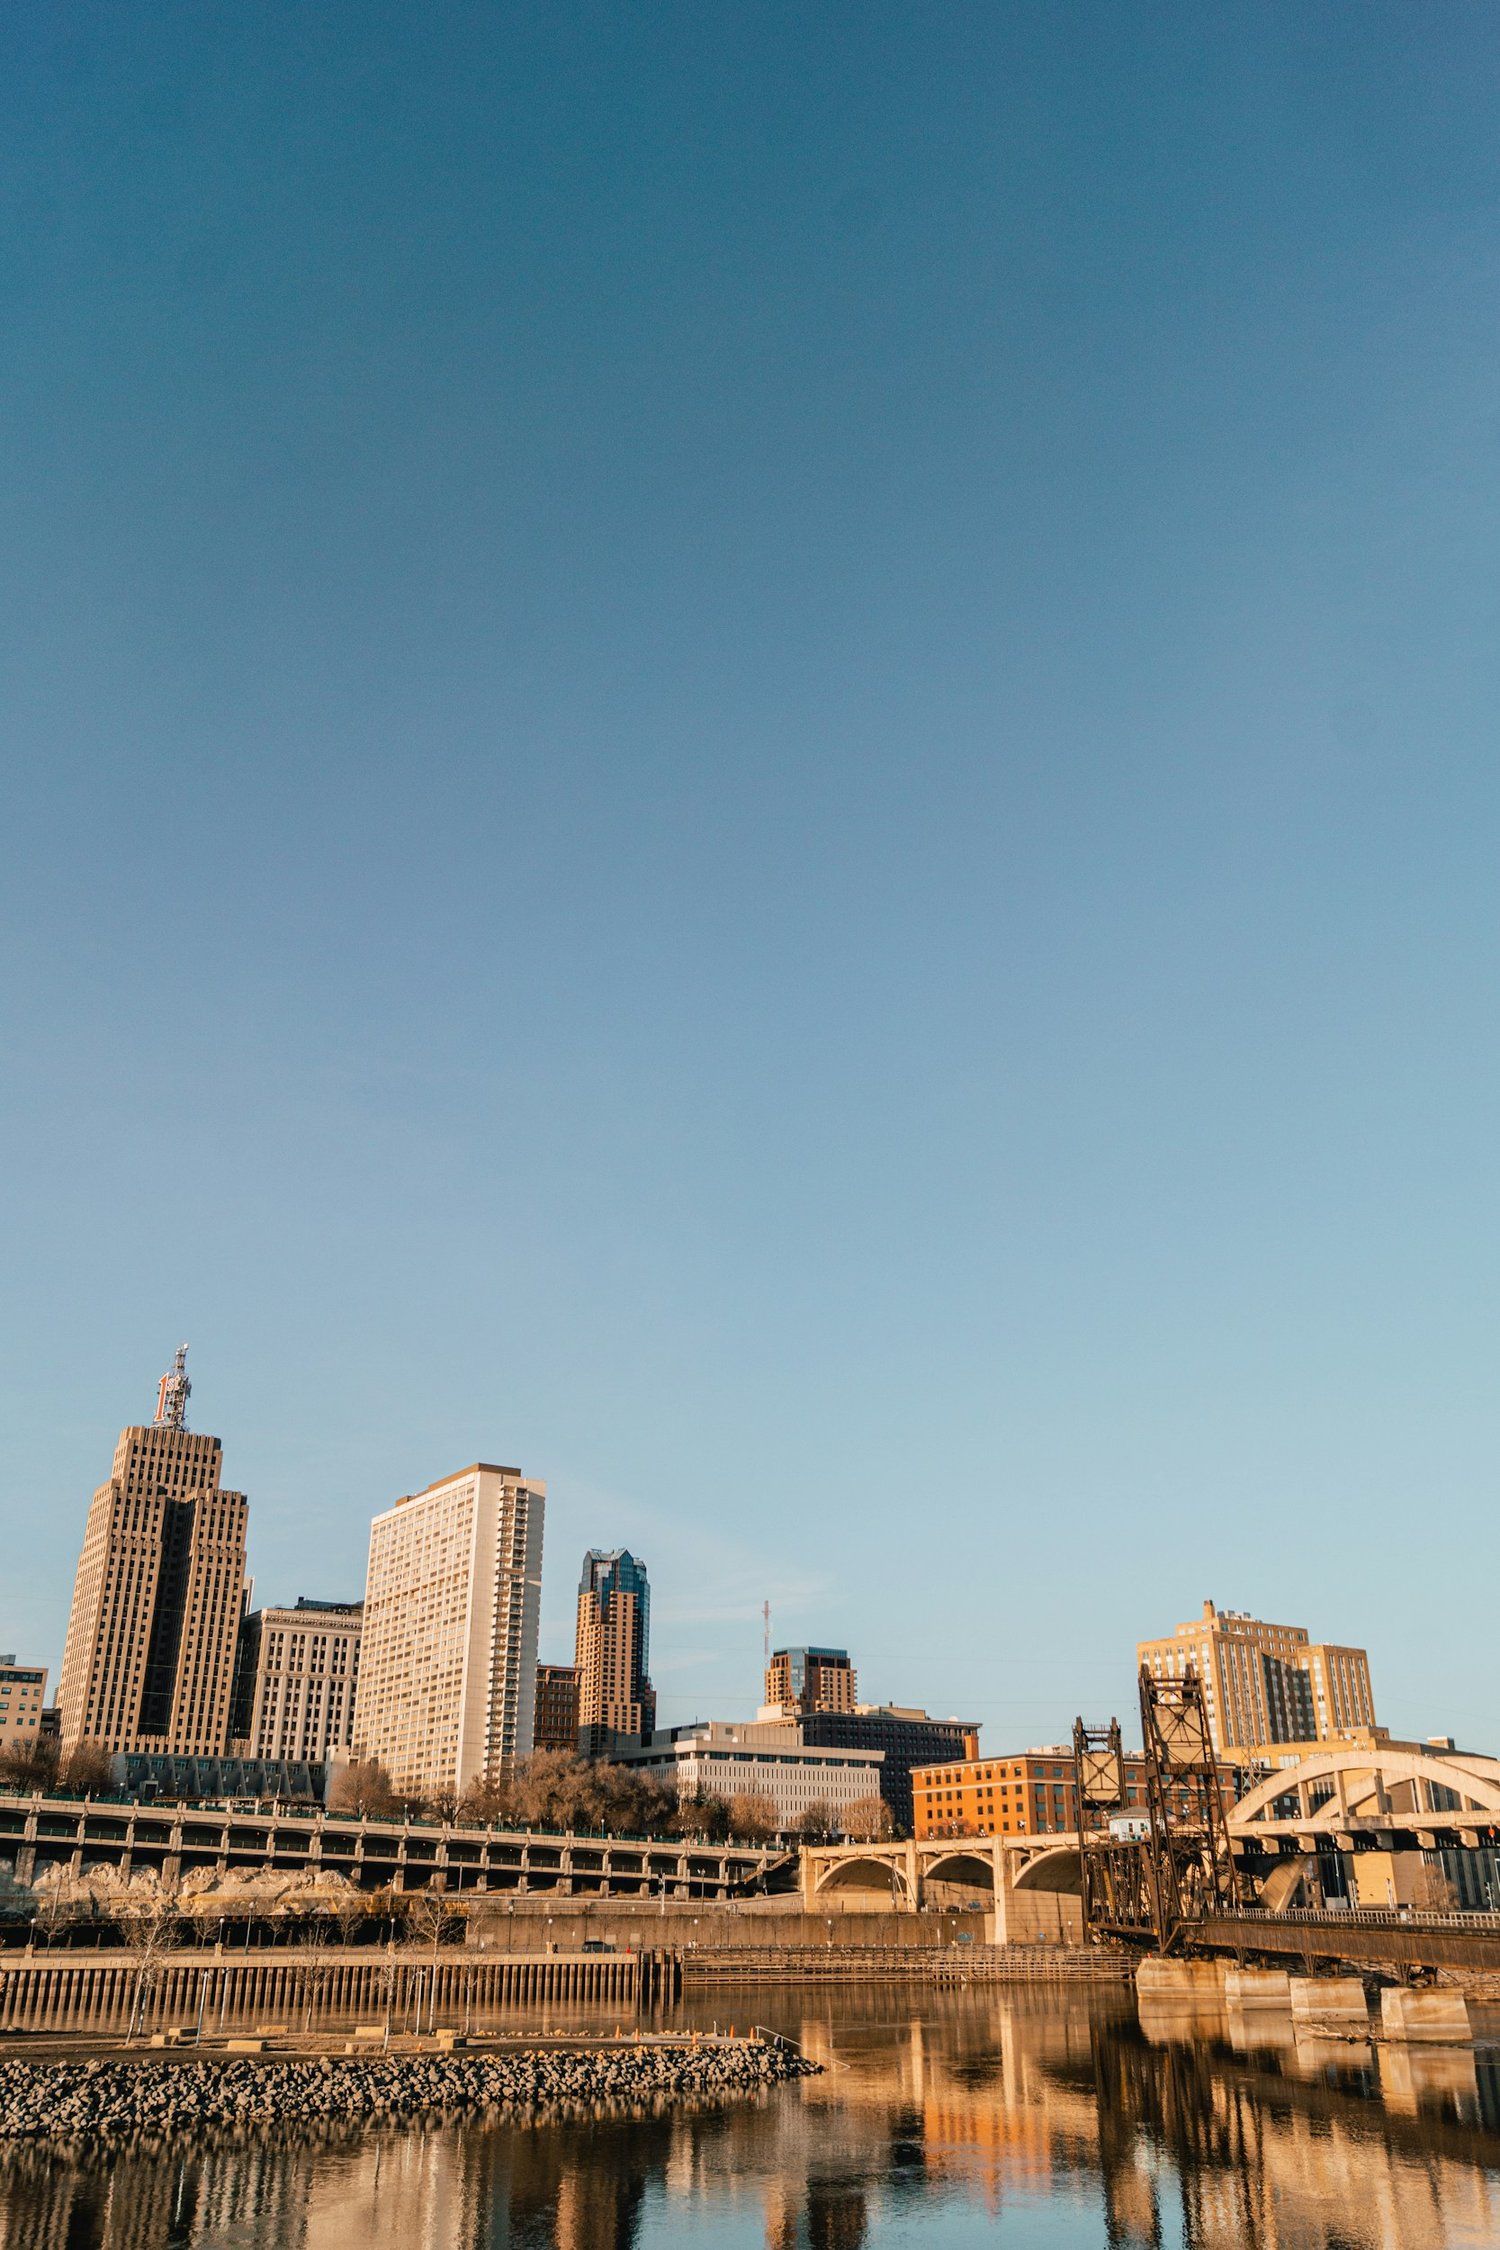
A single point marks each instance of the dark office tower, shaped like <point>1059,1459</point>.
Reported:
<point>149,1660</point>
<point>616,1701</point>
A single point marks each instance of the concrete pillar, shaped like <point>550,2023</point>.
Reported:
<point>1334,2004</point>
<point>1258,1988</point>
<point>1156,1979</point>
<point>1000,1918</point>
<point>1436,2018</point>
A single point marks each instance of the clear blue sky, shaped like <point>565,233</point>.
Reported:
<point>750,754</point>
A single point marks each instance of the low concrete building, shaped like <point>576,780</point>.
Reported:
<point>146,1778</point>
<point>771,1760</point>
<point>23,1692</point>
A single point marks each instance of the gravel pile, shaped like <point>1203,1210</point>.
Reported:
<point>109,2100</point>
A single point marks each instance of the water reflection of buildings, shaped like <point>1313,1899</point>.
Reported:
<point>938,2113</point>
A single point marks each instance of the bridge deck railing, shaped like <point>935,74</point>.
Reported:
<point>1372,1917</point>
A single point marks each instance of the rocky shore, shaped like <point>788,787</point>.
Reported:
<point>110,2100</point>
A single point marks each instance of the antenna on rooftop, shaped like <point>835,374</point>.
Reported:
<point>765,1611</point>
<point>173,1393</point>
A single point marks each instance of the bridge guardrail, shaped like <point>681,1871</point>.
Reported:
<point>1373,1917</point>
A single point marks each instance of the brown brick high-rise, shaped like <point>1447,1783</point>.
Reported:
<point>149,1660</point>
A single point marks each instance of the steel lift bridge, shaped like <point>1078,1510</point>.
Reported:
<point>1183,1873</point>
<point>1152,1874</point>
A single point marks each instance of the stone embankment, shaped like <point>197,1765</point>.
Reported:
<point>101,2100</point>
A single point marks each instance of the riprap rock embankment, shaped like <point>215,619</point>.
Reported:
<point>106,2100</point>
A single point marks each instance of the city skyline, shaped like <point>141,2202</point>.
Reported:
<point>620,1651</point>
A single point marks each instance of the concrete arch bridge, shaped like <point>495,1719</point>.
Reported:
<point>1028,1886</point>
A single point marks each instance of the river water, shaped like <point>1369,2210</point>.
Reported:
<point>1037,2117</point>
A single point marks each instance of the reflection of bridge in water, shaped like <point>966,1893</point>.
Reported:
<point>1298,1832</point>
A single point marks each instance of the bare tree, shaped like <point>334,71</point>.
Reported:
<point>31,1764</point>
<point>752,1816</point>
<point>86,1769</point>
<point>350,1907</point>
<point>869,1820</point>
<point>818,1825</point>
<point>486,1803</point>
<point>432,1916</point>
<point>1434,1889</point>
<point>60,1901</point>
<point>316,1915</point>
<point>558,1789</point>
<point>364,1787</point>
<point>147,1918</point>
<point>702,1815</point>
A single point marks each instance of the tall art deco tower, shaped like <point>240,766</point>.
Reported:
<point>149,1659</point>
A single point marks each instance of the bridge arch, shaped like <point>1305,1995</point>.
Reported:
<point>1359,1780</point>
<point>1052,1871</point>
<point>880,1874</point>
<point>955,1865</point>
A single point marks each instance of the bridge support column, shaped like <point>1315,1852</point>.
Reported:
<point>1004,1870</point>
<point>1332,2004</point>
<point>1180,1981</point>
<point>1435,2018</point>
<point>1258,1988</point>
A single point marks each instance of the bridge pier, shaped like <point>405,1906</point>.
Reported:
<point>1334,2004</point>
<point>1438,2019</point>
<point>1184,1982</point>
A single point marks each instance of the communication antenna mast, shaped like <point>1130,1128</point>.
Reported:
<point>173,1393</point>
<point>765,1611</point>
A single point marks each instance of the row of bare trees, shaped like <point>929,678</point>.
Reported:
<point>558,1790</point>
<point>38,1763</point>
<point>550,1789</point>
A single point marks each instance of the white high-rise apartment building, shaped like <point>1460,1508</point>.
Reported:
<point>447,1665</point>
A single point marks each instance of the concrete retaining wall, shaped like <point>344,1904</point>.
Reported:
<point>770,1923</point>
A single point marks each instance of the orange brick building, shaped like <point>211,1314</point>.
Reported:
<point>1029,1793</point>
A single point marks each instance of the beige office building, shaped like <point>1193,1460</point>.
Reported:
<point>1270,1690</point>
<point>447,1663</point>
<point>23,1691</point>
<point>295,1681</point>
<point>149,1659</point>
